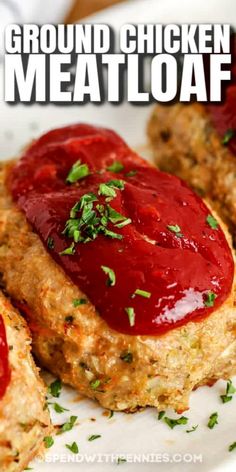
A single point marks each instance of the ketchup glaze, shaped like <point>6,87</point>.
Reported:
<point>4,365</point>
<point>171,263</point>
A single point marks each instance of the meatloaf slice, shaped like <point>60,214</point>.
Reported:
<point>123,372</point>
<point>24,421</point>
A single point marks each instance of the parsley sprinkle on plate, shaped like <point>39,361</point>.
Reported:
<point>93,437</point>
<point>73,447</point>
<point>213,420</point>
<point>64,428</point>
<point>172,423</point>
<point>55,388</point>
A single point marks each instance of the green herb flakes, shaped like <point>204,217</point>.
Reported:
<point>77,172</point>
<point>212,222</point>
<point>73,447</point>
<point>93,437</point>
<point>175,229</point>
<point>213,420</point>
<point>79,301</point>
<point>111,275</point>
<point>210,299</point>
<point>232,447</point>
<point>48,441</point>
<point>69,251</point>
<point>131,315</point>
<point>116,167</point>
<point>55,388</point>
<point>230,390</point>
<point>58,408</point>
<point>50,243</point>
<point>192,429</point>
<point>121,460</point>
<point>131,173</point>
<point>229,134</point>
<point>142,293</point>
<point>68,426</point>
<point>161,414</point>
<point>94,384</point>
<point>172,422</point>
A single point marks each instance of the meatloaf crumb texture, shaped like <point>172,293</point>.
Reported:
<point>185,143</point>
<point>24,422</point>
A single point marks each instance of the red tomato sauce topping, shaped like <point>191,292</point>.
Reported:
<point>4,365</point>
<point>142,246</point>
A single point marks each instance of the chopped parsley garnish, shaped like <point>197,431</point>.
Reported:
<point>68,425</point>
<point>116,167</point>
<point>79,301</point>
<point>106,191</point>
<point>131,315</point>
<point>172,422</point>
<point>55,388</point>
<point>127,356</point>
<point>121,460</point>
<point>93,437</point>
<point>50,243</point>
<point>69,251</point>
<point>229,134</point>
<point>111,414</point>
<point>131,173</point>
<point>58,408</point>
<point>232,447</point>
<point>213,420</point>
<point>111,275</point>
<point>87,221</point>
<point>210,299</point>
<point>213,223</point>
<point>161,414</point>
<point>175,229</point>
<point>126,222</point>
<point>116,218</point>
<point>48,441</point>
<point>226,398</point>
<point>94,384</point>
<point>77,172</point>
<point>73,447</point>
<point>230,390</point>
<point>120,184</point>
<point>192,429</point>
<point>142,293</point>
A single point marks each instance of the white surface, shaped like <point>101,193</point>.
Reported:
<point>141,432</point>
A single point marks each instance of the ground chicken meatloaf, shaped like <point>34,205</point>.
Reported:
<point>116,299</point>
<point>24,422</point>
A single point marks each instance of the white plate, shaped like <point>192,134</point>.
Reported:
<point>140,433</point>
